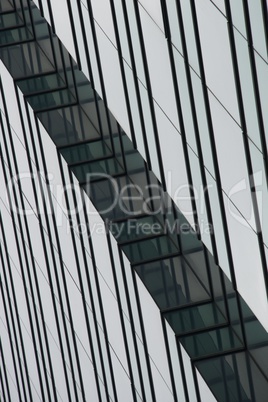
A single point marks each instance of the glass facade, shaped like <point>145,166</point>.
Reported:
<point>133,249</point>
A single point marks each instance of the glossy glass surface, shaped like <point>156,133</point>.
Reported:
<point>172,282</point>
<point>195,318</point>
<point>115,198</point>
<point>6,6</point>
<point>137,228</point>
<point>108,166</point>
<point>69,125</point>
<point>51,100</point>
<point>221,375</point>
<point>48,82</point>
<point>10,20</point>
<point>211,342</point>
<point>149,249</point>
<point>16,35</point>
<point>17,60</point>
<point>86,152</point>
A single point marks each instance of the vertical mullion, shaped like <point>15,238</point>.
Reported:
<point>150,93</point>
<point>95,270</point>
<point>79,273</point>
<point>63,293</point>
<point>132,325</point>
<point>244,133</point>
<point>10,315</point>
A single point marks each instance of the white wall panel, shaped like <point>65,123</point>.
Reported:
<point>217,58</point>
<point>112,80</point>
<point>153,8</point>
<point>103,17</point>
<point>172,344</point>
<point>159,67</point>
<point>247,264</point>
<point>189,375</point>
<point>156,345</point>
<point>220,4</point>
<point>174,162</point>
<point>232,161</point>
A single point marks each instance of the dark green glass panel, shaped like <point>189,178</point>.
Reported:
<point>178,286</point>
<point>246,311</point>
<point>189,239</point>
<point>85,91</point>
<point>197,262</point>
<point>104,196</point>
<point>51,100</point>
<point>234,377</point>
<point>86,171</point>
<point>69,125</point>
<point>86,152</point>
<point>41,31</point>
<point>149,249</point>
<point>211,342</point>
<point>255,333</point>
<point>233,308</point>
<point>125,141</point>
<point>26,60</point>
<point>35,21</point>
<point>41,84</point>
<point>6,6</point>
<point>195,318</point>
<point>237,329</point>
<point>171,223</point>
<point>15,35</point>
<point>10,20</point>
<point>161,278</point>
<point>137,228</point>
<point>115,198</point>
<point>134,163</point>
<point>120,197</point>
<point>259,355</point>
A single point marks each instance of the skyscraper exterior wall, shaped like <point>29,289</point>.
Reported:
<point>133,226</point>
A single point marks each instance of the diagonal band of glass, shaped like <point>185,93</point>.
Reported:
<point>209,318</point>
